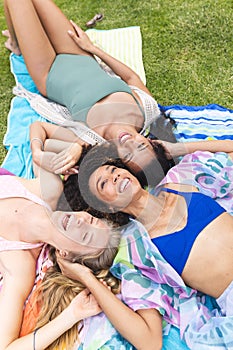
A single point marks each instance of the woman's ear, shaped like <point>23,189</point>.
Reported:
<point>63,253</point>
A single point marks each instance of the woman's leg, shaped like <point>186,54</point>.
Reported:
<point>24,24</point>
<point>56,25</point>
<point>11,43</point>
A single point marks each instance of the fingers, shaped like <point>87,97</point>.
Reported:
<point>63,163</point>
<point>77,29</point>
<point>77,32</point>
<point>71,171</point>
<point>105,284</point>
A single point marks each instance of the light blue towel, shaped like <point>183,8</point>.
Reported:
<point>20,117</point>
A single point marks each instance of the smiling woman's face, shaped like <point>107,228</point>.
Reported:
<point>80,231</point>
<point>114,186</point>
<point>135,151</point>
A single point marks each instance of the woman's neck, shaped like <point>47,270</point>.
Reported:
<point>147,209</point>
<point>35,225</point>
<point>116,109</point>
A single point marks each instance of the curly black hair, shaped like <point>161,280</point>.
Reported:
<point>73,199</point>
<point>77,195</point>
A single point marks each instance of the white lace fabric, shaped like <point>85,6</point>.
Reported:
<point>60,115</point>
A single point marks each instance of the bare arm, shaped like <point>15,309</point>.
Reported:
<point>54,148</point>
<point>18,268</point>
<point>182,148</point>
<point>82,306</point>
<point>119,68</point>
<point>142,328</point>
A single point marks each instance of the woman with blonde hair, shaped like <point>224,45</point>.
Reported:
<point>56,291</point>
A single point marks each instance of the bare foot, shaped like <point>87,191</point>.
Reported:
<point>9,44</point>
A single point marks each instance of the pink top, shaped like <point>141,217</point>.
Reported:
<point>10,187</point>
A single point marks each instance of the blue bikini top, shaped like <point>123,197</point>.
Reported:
<point>175,247</point>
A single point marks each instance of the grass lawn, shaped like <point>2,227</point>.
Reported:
<point>187,47</point>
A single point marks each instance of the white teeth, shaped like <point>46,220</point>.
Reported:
<point>66,222</point>
<point>123,185</point>
<point>124,138</point>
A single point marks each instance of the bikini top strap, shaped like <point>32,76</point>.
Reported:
<point>169,190</point>
<point>139,106</point>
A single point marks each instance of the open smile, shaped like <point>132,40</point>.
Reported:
<point>124,184</point>
<point>66,221</point>
<point>123,137</point>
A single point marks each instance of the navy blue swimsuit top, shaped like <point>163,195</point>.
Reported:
<point>175,247</point>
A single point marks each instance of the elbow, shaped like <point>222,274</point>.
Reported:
<point>35,124</point>
<point>152,345</point>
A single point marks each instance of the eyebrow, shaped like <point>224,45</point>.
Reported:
<point>99,179</point>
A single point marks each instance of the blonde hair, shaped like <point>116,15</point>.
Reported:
<point>57,290</point>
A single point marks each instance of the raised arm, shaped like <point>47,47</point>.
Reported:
<point>142,328</point>
<point>119,68</point>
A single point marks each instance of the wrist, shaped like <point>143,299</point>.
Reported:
<point>37,142</point>
<point>87,278</point>
<point>96,50</point>
<point>78,146</point>
<point>70,317</point>
<point>179,149</point>
<point>36,156</point>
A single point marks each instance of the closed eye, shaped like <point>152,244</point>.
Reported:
<point>142,146</point>
<point>85,235</point>
<point>103,184</point>
<point>127,158</point>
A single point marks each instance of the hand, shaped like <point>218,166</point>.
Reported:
<point>74,270</point>
<point>59,163</point>
<point>168,147</point>
<point>45,160</point>
<point>66,159</point>
<point>71,171</point>
<point>84,305</point>
<point>81,38</point>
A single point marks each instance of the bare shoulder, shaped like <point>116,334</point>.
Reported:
<point>181,187</point>
<point>19,264</point>
<point>32,185</point>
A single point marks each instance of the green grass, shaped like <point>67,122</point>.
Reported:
<point>187,47</point>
